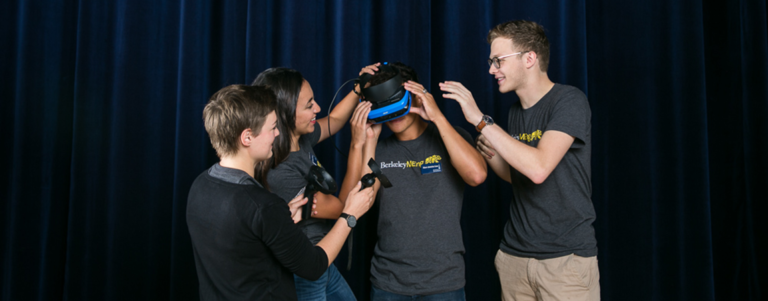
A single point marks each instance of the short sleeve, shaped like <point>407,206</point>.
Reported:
<point>571,115</point>
<point>286,182</point>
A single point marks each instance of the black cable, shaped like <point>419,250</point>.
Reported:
<point>329,116</point>
<point>349,241</point>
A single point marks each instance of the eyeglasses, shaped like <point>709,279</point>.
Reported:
<point>496,61</point>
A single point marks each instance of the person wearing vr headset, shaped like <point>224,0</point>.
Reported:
<point>284,173</point>
<point>549,250</point>
<point>419,252</point>
<point>245,244</point>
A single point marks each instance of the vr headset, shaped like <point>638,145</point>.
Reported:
<point>389,100</point>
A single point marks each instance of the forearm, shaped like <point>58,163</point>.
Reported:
<point>500,167</point>
<point>526,159</point>
<point>334,240</point>
<point>369,152</point>
<point>354,171</point>
<point>328,206</point>
<point>469,164</point>
<point>340,114</point>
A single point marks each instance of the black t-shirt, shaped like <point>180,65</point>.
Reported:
<point>245,244</point>
<point>554,218</point>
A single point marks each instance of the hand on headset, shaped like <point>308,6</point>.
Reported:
<point>424,104</point>
<point>372,133</point>
<point>370,69</point>
<point>359,123</point>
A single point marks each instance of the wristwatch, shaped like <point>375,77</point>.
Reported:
<point>351,220</point>
<point>487,120</point>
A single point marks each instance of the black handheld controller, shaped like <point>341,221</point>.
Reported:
<point>369,179</point>
<point>318,180</point>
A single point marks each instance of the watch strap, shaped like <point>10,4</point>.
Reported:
<point>347,217</point>
<point>479,127</point>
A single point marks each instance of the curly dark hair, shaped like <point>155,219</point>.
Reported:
<point>405,71</point>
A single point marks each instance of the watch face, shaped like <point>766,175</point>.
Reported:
<point>351,221</point>
<point>488,120</point>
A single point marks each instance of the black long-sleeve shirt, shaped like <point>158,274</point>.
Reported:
<point>245,243</point>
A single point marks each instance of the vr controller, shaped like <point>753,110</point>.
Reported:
<point>319,180</point>
<point>389,100</point>
<point>369,179</point>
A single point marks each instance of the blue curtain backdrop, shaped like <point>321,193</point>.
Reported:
<point>101,121</point>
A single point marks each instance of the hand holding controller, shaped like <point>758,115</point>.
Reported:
<point>318,180</point>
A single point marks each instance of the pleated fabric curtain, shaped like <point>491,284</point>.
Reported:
<point>101,114</point>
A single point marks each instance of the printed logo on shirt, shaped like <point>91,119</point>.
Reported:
<point>536,135</point>
<point>314,160</point>
<point>410,163</point>
<point>431,168</point>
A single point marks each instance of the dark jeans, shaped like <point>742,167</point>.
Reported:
<point>381,295</point>
<point>331,286</point>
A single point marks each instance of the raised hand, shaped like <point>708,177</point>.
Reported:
<point>372,132</point>
<point>370,69</point>
<point>457,92</point>
<point>359,123</point>
<point>425,104</point>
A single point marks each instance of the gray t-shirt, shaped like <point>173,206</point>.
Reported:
<point>554,218</point>
<point>420,248</point>
<point>287,181</point>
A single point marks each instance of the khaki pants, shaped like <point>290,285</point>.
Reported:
<point>569,277</point>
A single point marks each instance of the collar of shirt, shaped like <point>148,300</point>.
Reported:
<point>232,175</point>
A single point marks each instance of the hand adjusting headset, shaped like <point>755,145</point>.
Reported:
<point>389,100</point>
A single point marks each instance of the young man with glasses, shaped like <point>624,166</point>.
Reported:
<point>549,250</point>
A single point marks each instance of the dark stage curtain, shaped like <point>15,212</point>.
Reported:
<point>101,121</point>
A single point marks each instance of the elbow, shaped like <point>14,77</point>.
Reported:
<point>312,277</point>
<point>476,178</point>
<point>538,179</point>
<point>314,269</point>
<point>539,176</point>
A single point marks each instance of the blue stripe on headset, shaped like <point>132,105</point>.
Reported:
<point>404,103</point>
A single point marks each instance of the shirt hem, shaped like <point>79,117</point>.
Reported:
<point>423,292</point>
<point>580,252</point>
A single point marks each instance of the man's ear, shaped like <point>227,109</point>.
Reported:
<point>530,59</point>
<point>246,137</point>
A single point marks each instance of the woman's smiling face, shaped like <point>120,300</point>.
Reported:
<point>306,111</point>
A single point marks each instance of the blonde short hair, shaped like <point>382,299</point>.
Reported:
<point>234,109</point>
